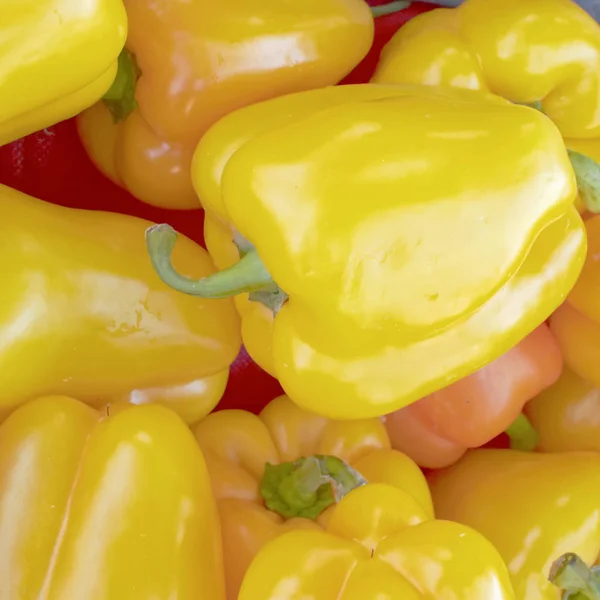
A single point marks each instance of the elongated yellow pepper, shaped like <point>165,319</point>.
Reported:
<point>83,313</point>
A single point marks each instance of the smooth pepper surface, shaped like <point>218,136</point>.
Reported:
<point>388,513</point>
<point>58,58</point>
<point>104,506</point>
<point>576,323</point>
<point>533,507</point>
<point>391,254</point>
<point>438,429</point>
<point>544,51</point>
<point>566,416</point>
<point>199,60</point>
<point>83,313</point>
<point>541,52</point>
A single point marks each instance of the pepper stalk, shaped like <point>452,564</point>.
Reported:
<point>307,486</point>
<point>248,275</point>
<point>575,578</point>
<point>120,97</point>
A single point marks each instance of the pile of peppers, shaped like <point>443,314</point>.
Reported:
<point>392,213</point>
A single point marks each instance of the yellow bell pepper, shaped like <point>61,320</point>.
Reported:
<point>543,52</point>
<point>198,60</point>
<point>83,313</point>
<point>397,270</point>
<point>57,59</point>
<point>576,323</point>
<point>566,416</point>
<point>532,507</point>
<point>101,507</point>
<point>347,500</point>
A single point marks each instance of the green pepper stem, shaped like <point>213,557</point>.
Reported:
<point>388,9</point>
<point>247,275</point>
<point>575,578</point>
<point>587,172</point>
<point>522,434</point>
<point>120,97</point>
<point>307,486</point>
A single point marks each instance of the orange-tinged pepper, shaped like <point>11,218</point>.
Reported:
<point>539,52</point>
<point>344,494</point>
<point>83,313</point>
<point>576,323</point>
<point>566,416</point>
<point>57,59</point>
<point>389,271</point>
<point>199,60</point>
<point>437,430</point>
<point>104,507</point>
<point>533,507</point>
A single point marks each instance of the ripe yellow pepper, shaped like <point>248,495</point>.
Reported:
<point>566,416</point>
<point>347,500</point>
<point>532,507</point>
<point>57,59</point>
<point>198,60</point>
<point>538,52</point>
<point>83,313</point>
<point>397,270</point>
<point>576,323</point>
<point>114,507</point>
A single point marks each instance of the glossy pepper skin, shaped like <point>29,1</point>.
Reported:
<point>105,506</point>
<point>57,59</point>
<point>83,313</point>
<point>200,60</point>
<point>532,507</point>
<point>390,513</point>
<point>576,323</point>
<point>566,416</point>
<point>438,429</point>
<point>539,51</point>
<point>375,255</point>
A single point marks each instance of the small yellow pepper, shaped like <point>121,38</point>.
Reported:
<point>566,416</point>
<point>539,52</point>
<point>347,500</point>
<point>83,313</point>
<point>105,507</point>
<point>391,270</point>
<point>532,507</point>
<point>57,58</point>
<point>190,62</point>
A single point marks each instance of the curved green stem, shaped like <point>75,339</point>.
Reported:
<point>388,9</point>
<point>120,98</point>
<point>587,171</point>
<point>307,486</point>
<point>247,275</point>
<point>575,578</point>
<point>522,434</point>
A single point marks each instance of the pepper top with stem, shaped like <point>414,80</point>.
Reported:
<point>307,486</point>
